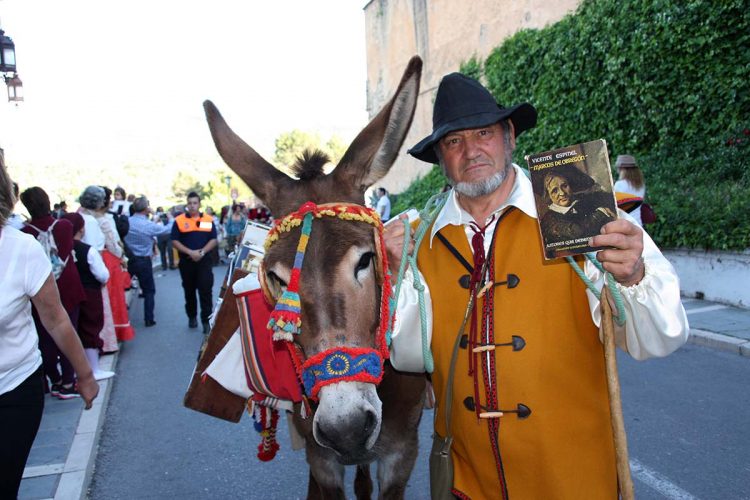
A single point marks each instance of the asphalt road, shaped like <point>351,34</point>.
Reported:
<point>687,418</point>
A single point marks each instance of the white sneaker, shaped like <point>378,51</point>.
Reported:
<point>103,374</point>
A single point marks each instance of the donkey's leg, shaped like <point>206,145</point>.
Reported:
<point>403,398</point>
<point>363,482</point>
<point>325,472</point>
<point>394,469</point>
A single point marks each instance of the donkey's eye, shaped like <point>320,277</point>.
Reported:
<point>364,262</point>
<point>272,276</point>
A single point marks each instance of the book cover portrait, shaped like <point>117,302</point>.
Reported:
<point>574,196</point>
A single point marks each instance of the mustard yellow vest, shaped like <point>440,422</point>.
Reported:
<point>564,448</point>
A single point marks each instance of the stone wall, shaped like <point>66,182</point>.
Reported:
<point>444,33</point>
<point>717,276</point>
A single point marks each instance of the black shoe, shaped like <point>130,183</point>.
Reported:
<point>206,328</point>
<point>193,323</point>
<point>55,389</point>
<point>68,393</point>
<point>150,323</point>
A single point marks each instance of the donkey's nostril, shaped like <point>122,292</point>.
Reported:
<point>322,437</point>
<point>370,423</point>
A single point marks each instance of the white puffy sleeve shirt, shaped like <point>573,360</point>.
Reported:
<point>656,322</point>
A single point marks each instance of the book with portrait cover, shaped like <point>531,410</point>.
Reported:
<point>574,196</point>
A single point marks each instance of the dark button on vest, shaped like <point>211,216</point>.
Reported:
<point>517,343</point>
<point>522,411</point>
<point>511,281</point>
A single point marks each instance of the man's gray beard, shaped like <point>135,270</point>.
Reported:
<point>486,186</point>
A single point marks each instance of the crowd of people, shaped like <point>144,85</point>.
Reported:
<point>112,238</point>
<point>65,303</point>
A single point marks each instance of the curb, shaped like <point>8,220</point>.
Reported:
<point>719,341</point>
<point>79,465</point>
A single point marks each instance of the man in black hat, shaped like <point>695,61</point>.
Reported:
<point>530,414</point>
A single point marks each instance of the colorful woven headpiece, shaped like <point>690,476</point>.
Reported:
<point>285,320</point>
<point>358,364</point>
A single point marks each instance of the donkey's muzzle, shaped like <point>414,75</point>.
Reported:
<point>347,421</point>
<point>350,438</point>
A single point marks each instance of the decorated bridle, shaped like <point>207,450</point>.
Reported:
<point>338,364</point>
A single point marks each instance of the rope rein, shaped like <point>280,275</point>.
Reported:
<point>621,317</point>
<point>427,216</point>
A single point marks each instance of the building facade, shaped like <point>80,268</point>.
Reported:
<point>444,33</point>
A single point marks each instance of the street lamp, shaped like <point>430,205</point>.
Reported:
<point>7,54</point>
<point>15,86</point>
<point>8,67</point>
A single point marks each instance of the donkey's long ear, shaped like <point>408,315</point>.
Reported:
<point>261,176</point>
<point>373,152</point>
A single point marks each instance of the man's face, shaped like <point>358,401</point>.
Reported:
<point>477,160</point>
<point>559,191</point>
<point>193,204</point>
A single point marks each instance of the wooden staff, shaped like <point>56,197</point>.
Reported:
<point>625,482</point>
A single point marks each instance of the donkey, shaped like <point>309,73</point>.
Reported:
<point>355,422</point>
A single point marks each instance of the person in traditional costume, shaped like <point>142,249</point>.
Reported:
<point>630,180</point>
<point>92,200</point>
<point>36,201</point>
<point>93,276</point>
<point>530,413</point>
<point>116,261</point>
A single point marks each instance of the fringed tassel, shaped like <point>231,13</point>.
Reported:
<point>286,319</point>
<point>266,421</point>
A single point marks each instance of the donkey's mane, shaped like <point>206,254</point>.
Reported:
<point>310,164</point>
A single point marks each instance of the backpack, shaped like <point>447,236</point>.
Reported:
<point>47,240</point>
<point>122,223</point>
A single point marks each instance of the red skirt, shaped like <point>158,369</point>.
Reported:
<point>119,280</point>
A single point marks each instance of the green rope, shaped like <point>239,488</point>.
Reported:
<point>620,317</point>
<point>427,216</point>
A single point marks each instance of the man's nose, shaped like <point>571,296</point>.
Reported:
<point>471,149</point>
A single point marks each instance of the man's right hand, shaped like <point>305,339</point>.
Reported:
<point>393,236</point>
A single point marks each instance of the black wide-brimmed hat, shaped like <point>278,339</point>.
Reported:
<point>462,103</point>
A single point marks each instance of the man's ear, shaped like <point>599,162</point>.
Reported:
<point>512,135</point>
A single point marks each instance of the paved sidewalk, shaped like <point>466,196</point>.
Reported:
<point>719,326</point>
<point>62,459</point>
<point>63,456</point>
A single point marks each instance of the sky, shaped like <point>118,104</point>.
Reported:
<point>107,82</point>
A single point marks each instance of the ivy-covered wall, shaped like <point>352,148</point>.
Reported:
<point>665,80</point>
